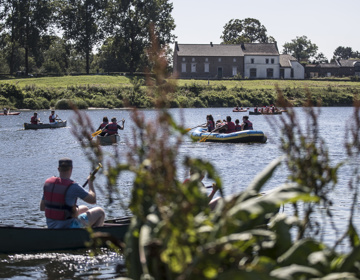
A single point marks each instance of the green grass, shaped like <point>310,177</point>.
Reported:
<point>68,81</point>
<point>123,81</point>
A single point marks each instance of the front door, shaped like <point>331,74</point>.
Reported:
<point>220,73</point>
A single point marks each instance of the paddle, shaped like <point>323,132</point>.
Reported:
<point>93,173</point>
<point>188,129</point>
<point>207,136</point>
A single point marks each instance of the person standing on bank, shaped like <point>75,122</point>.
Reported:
<point>59,201</point>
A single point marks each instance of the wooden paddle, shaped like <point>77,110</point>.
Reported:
<point>93,174</point>
<point>188,129</point>
<point>96,133</point>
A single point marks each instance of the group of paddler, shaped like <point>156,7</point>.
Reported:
<point>52,118</point>
<point>107,128</point>
<point>227,126</point>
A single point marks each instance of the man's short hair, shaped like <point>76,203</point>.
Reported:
<point>65,164</point>
<point>113,119</point>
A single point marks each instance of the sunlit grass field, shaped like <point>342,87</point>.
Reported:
<point>123,81</point>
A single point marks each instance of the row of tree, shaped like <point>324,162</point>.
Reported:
<point>251,30</point>
<point>62,35</point>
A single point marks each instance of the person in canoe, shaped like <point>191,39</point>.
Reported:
<point>102,126</point>
<point>6,111</point>
<point>34,119</point>
<point>53,117</point>
<point>246,124</point>
<point>112,128</point>
<point>59,201</point>
<point>212,202</point>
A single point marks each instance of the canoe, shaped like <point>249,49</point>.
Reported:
<point>10,114</point>
<point>259,113</point>
<point>45,125</point>
<point>245,136</point>
<point>240,110</point>
<point>26,240</point>
<point>108,140</point>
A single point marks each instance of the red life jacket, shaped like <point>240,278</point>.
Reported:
<point>55,190</point>
<point>103,125</point>
<point>33,120</point>
<point>238,127</point>
<point>231,127</point>
<point>51,119</point>
<point>248,125</point>
<point>210,125</point>
<point>112,128</point>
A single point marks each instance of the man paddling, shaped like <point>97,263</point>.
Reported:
<point>112,128</point>
<point>59,201</point>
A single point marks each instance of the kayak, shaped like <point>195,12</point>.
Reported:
<point>240,110</point>
<point>10,114</point>
<point>45,125</point>
<point>245,136</point>
<point>108,140</point>
<point>25,240</point>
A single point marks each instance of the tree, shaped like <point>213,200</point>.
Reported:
<point>82,22</point>
<point>25,21</point>
<point>130,21</point>
<point>249,30</point>
<point>301,48</point>
<point>320,58</point>
<point>344,53</point>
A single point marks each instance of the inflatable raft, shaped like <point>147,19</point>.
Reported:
<point>245,136</point>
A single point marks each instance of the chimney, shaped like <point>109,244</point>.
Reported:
<point>176,46</point>
<point>211,44</point>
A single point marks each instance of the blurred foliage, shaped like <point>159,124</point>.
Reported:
<point>175,235</point>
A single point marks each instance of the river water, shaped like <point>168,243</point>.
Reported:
<point>28,157</point>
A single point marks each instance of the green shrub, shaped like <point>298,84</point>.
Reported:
<point>65,104</point>
<point>31,103</point>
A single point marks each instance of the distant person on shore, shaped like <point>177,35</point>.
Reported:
<point>53,117</point>
<point>246,124</point>
<point>59,201</point>
<point>34,119</point>
<point>112,128</point>
<point>102,126</point>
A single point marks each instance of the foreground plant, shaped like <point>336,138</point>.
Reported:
<point>175,235</point>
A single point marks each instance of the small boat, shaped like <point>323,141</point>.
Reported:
<point>245,136</point>
<point>45,125</point>
<point>265,113</point>
<point>239,110</point>
<point>26,240</point>
<point>108,140</point>
<point>10,114</point>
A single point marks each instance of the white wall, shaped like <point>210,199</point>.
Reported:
<point>299,70</point>
<point>261,65</point>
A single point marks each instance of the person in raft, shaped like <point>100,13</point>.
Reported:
<point>246,124</point>
<point>34,119</point>
<point>52,117</point>
<point>230,125</point>
<point>210,124</point>
<point>112,128</point>
<point>59,201</point>
<point>102,126</point>
<point>237,125</point>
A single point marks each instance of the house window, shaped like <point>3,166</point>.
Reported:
<point>219,59</point>
<point>206,68</point>
<point>193,67</point>
<point>252,61</point>
<point>267,61</point>
<point>206,59</point>
<point>234,70</point>
<point>183,59</point>
<point>292,73</point>
<point>183,67</point>
<point>193,59</point>
<point>252,72</point>
<point>272,61</point>
<point>269,73</point>
<point>234,59</point>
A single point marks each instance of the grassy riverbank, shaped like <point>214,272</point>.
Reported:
<point>119,91</point>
